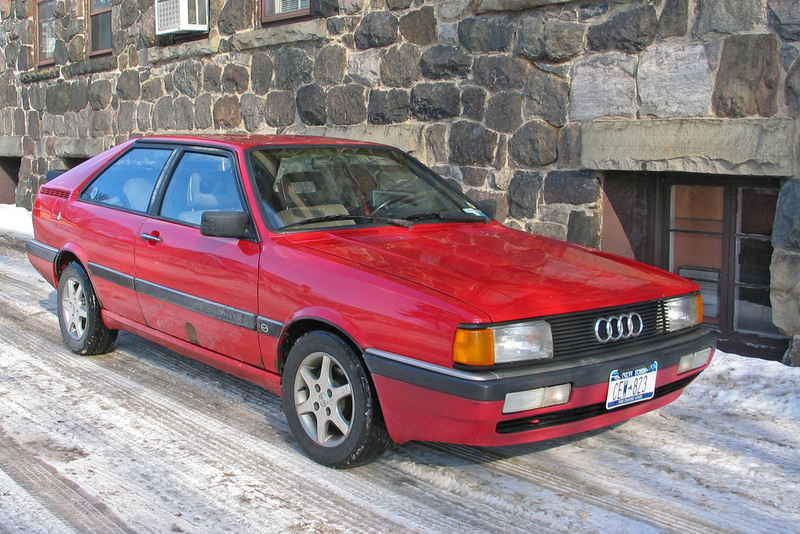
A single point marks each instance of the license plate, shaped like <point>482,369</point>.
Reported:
<point>631,386</point>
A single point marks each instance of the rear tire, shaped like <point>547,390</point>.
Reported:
<point>330,403</point>
<point>79,316</point>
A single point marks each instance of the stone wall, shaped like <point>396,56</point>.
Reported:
<point>494,94</point>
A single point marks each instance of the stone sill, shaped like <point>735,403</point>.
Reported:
<point>753,147</point>
<point>308,30</point>
<point>11,147</point>
<point>487,6</point>
<point>38,75</point>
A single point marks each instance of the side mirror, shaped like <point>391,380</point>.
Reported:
<point>225,224</point>
<point>488,206</point>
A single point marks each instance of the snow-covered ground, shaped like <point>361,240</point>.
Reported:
<point>144,440</point>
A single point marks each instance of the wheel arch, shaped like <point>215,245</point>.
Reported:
<point>300,326</point>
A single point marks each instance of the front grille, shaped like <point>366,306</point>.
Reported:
<point>574,337</point>
<point>584,412</point>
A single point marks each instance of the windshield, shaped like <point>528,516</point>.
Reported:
<point>310,187</point>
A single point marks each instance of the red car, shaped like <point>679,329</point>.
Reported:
<point>379,302</point>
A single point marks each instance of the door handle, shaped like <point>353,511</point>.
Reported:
<point>151,238</point>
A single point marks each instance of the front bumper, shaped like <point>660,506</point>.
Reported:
<point>421,401</point>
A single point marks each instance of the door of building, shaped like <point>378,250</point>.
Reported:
<point>715,231</point>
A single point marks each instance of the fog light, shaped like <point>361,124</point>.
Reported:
<point>694,360</point>
<point>521,401</point>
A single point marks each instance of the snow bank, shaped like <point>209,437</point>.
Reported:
<point>16,221</point>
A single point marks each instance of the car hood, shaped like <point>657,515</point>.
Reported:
<point>507,274</point>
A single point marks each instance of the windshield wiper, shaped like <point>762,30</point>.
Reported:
<point>456,216</point>
<point>329,218</point>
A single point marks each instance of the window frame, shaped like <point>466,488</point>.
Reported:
<point>39,34</point>
<point>89,16</point>
<point>268,15</point>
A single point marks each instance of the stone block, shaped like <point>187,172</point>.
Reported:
<point>164,114</point>
<point>231,19</point>
<point>504,112</point>
<point>78,148</point>
<point>296,32</point>
<point>546,97</point>
<point>549,40</point>
<point>674,20</point>
<point>485,6</point>
<point>748,77</point>
<point>188,77</point>
<point>58,98</point>
<point>388,107</point>
<point>473,103</point>
<point>523,194</point>
<point>346,104</point>
<point>729,16</point>
<point>572,187</point>
<point>786,230</point>
<point>419,26</point>
<point>252,111</point>
<point>584,229</point>
<point>100,94</point>
<point>500,73</point>
<point>674,81</point>
<point>280,108</point>
<point>534,144</point>
<point>128,86</point>
<point>212,77</point>
<point>793,90</point>
<point>760,147</point>
<point>444,61</point>
<point>261,72</point>
<point>11,146</point>
<point>235,78</point>
<point>792,356</point>
<point>227,112</point>
<point>203,118</point>
<point>330,65</point>
<point>435,101</point>
<point>786,312</point>
<point>293,68</point>
<point>629,31</point>
<point>311,103</point>
<point>614,72</point>
<point>784,18</point>
<point>376,30</point>
<point>363,67</point>
<point>486,34</point>
<point>400,66</point>
<point>471,143</point>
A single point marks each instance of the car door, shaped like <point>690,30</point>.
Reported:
<point>106,223</point>
<point>198,288</point>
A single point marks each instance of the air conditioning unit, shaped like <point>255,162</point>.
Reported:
<point>181,16</point>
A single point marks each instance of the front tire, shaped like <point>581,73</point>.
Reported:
<point>330,404</point>
<point>79,316</point>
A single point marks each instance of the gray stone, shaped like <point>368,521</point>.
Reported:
<point>435,101</point>
<point>58,98</point>
<point>631,31</point>
<point>311,105</point>
<point>473,102</point>
<point>674,81</point>
<point>152,89</point>
<point>377,29</point>
<point>346,104</point>
<point>235,78</point>
<point>100,94</point>
<point>786,312</point>
<point>674,21</point>
<point>788,55</point>
<point>126,117</point>
<point>784,18</point>
<point>552,40</point>
<point>400,67</point>
<point>227,112</point>
<point>76,50</point>
<point>202,112</point>
<point>128,87</point>
<point>144,112</point>
<point>785,270</point>
<point>396,5</point>
<point>572,187</point>
<point>184,113</point>
<point>261,71</point>
<point>792,356</point>
<point>546,97</point>
<point>252,111</point>
<point>330,65</point>
<point>534,144</point>
<point>474,176</point>
<point>523,194</point>
<point>337,25</point>
<point>326,8</point>
<point>231,19</point>
<point>293,68</point>
<point>584,229</point>
<point>442,61</point>
<point>569,146</point>
<point>188,77</point>
<point>79,95</point>
<point>280,108</point>
<point>500,73</point>
<point>447,33</point>
<point>436,143</point>
<point>388,107</point>
<point>486,34</point>
<point>748,77</point>
<point>504,112</point>
<point>729,16</point>
<point>419,27</point>
<point>614,73</point>
<point>212,78</point>
<point>471,143</point>
<point>793,90</point>
<point>748,147</point>
<point>363,67</point>
<point>786,230</point>
<point>351,7</point>
<point>164,114</point>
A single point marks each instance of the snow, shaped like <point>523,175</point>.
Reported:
<point>143,440</point>
<point>16,221</point>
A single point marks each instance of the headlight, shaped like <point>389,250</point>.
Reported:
<point>683,312</point>
<point>503,344</point>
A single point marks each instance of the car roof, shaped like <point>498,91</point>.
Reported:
<point>246,141</point>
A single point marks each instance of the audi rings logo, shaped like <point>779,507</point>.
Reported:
<point>623,326</point>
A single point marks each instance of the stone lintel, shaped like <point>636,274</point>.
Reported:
<point>78,148</point>
<point>402,136</point>
<point>486,6</point>
<point>761,147</point>
<point>310,30</point>
<point>11,147</point>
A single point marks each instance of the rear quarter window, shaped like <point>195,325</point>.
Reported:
<point>129,181</point>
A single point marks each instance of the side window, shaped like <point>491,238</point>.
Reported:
<point>99,26</point>
<point>129,181</point>
<point>201,182</point>
<point>45,31</point>
<point>285,9</point>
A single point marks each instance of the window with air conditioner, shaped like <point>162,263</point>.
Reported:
<point>181,16</point>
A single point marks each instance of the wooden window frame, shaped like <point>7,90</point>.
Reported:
<point>38,48</point>
<point>89,15</point>
<point>268,15</point>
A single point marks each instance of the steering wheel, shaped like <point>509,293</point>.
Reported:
<point>394,200</point>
